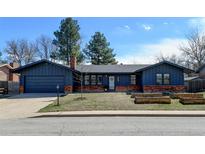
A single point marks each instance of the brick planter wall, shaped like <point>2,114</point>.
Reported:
<point>127,88</point>
<point>89,88</point>
<point>164,88</point>
<point>100,88</point>
<point>68,89</point>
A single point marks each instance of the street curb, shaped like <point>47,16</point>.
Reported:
<point>118,115</point>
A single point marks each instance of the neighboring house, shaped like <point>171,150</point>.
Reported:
<point>44,76</point>
<point>201,72</point>
<point>196,82</point>
<point>199,75</point>
<point>6,72</point>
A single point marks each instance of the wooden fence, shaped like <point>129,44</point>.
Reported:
<point>4,84</point>
<point>196,85</point>
<point>13,87</point>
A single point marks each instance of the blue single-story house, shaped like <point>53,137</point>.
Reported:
<point>43,76</point>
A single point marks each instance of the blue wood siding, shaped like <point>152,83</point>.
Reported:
<point>176,74</point>
<point>124,79</point>
<point>47,69</point>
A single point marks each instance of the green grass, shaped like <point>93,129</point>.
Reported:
<point>111,101</point>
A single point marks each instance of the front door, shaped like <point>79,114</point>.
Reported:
<point>111,82</point>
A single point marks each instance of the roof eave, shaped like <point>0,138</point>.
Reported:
<point>186,70</point>
<point>108,72</point>
<point>19,69</point>
<point>200,68</point>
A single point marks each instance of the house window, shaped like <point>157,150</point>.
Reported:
<point>133,79</point>
<point>87,79</point>
<point>118,79</point>
<point>166,79</point>
<point>93,79</point>
<point>99,78</point>
<point>159,79</point>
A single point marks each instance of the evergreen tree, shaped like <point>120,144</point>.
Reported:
<point>2,61</point>
<point>54,56</point>
<point>98,50</point>
<point>67,39</point>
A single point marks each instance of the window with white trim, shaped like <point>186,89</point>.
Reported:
<point>87,79</point>
<point>133,79</point>
<point>118,78</point>
<point>158,79</point>
<point>99,79</point>
<point>93,79</point>
<point>167,79</point>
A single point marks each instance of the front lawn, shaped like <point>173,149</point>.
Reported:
<point>111,101</point>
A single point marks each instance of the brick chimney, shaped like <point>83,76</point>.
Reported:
<point>13,76</point>
<point>14,64</point>
<point>73,62</point>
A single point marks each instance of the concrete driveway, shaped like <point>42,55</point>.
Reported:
<point>24,105</point>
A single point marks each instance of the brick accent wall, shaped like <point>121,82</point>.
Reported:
<point>13,77</point>
<point>90,88</point>
<point>21,89</point>
<point>4,73</point>
<point>164,88</point>
<point>127,88</point>
<point>68,88</point>
<point>7,75</point>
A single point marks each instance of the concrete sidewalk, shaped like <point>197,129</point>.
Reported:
<point>121,113</point>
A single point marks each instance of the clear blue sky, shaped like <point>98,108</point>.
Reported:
<point>135,40</point>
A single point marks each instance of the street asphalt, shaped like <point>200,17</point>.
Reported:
<point>104,126</point>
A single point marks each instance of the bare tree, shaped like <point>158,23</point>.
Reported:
<point>21,51</point>
<point>31,52</point>
<point>2,60</point>
<point>16,50</point>
<point>45,47</point>
<point>173,58</point>
<point>194,51</point>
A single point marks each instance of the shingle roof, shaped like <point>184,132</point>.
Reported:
<point>17,70</point>
<point>191,78</point>
<point>186,70</point>
<point>200,68</point>
<point>124,68</point>
<point>7,65</point>
<point>104,68</point>
<point>110,68</point>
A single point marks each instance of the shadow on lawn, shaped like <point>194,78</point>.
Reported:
<point>34,95</point>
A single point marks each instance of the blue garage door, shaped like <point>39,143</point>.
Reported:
<point>43,84</point>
